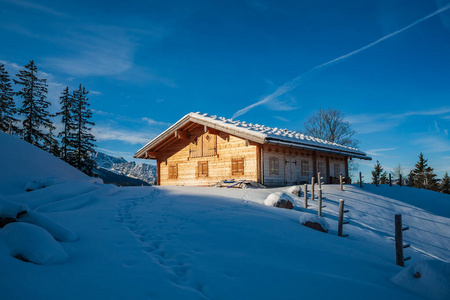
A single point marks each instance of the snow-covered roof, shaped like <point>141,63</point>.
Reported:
<point>258,133</point>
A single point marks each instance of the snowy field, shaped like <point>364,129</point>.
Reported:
<point>96,241</point>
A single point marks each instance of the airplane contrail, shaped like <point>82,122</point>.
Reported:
<point>299,80</point>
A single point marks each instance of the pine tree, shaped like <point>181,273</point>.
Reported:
<point>34,107</point>
<point>7,105</point>
<point>444,187</point>
<point>66,113</point>
<point>82,140</point>
<point>378,175</point>
<point>423,175</point>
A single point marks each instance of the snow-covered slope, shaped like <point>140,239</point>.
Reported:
<point>218,243</point>
<point>119,165</point>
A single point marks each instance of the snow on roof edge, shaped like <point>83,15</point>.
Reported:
<point>261,133</point>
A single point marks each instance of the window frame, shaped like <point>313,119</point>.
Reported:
<point>274,165</point>
<point>305,167</point>
<point>235,170</point>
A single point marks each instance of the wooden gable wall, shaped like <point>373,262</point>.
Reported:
<point>213,152</point>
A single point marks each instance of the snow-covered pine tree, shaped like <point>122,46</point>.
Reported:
<point>423,175</point>
<point>66,113</point>
<point>82,141</point>
<point>444,187</point>
<point>37,125</point>
<point>7,105</point>
<point>378,175</point>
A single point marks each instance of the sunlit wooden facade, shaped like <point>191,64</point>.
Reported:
<point>201,151</point>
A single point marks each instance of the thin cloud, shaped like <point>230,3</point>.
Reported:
<point>300,79</point>
<point>282,119</point>
<point>153,122</point>
<point>378,152</point>
<point>370,123</point>
<point>107,133</point>
<point>432,144</point>
<point>35,6</point>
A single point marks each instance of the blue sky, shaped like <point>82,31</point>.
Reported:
<point>148,63</point>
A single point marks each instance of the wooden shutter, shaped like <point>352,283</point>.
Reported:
<point>209,144</point>
<point>237,166</point>
<point>195,148</point>
<point>173,171</point>
<point>202,169</point>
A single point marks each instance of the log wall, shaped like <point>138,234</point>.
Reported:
<point>228,147</point>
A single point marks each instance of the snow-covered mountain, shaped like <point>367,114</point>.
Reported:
<point>119,165</point>
<point>106,161</point>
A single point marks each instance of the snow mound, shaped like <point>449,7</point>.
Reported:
<point>428,278</point>
<point>274,198</point>
<point>36,184</point>
<point>305,217</point>
<point>58,231</point>
<point>9,209</point>
<point>32,243</point>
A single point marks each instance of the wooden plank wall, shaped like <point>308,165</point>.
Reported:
<point>290,165</point>
<point>219,165</point>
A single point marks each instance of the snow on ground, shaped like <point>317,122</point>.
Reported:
<point>218,243</point>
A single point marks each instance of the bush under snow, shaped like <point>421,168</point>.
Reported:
<point>274,198</point>
<point>295,189</point>
<point>32,243</point>
<point>428,278</point>
<point>36,184</point>
<point>305,217</point>
<point>9,209</point>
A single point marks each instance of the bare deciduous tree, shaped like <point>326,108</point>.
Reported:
<point>398,170</point>
<point>330,125</point>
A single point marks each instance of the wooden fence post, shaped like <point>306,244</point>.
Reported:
<point>341,218</point>
<point>312,189</point>
<point>306,196</point>
<point>400,180</point>
<point>319,210</point>
<point>9,128</point>
<point>399,258</point>
<point>360,180</point>
<point>340,182</point>
<point>390,180</point>
<point>376,180</point>
<point>410,180</point>
<point>319,180</point>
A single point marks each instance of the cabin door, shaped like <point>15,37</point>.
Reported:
<point>291,170</point>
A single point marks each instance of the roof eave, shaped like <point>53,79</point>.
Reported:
<point>359,155</point>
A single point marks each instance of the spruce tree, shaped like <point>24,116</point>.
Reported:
<point>377,174</point>
<point>445,184</point>
<point>66,113</point>
<point>7,105</point>
<point>37,125</point>
<point>423,175</point>
<point>82,140</point>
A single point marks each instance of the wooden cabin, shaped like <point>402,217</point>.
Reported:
<point>201,150</point>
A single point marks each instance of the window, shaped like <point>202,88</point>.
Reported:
<point>305,168</point>
<point>274,166</point>
<point>321,167</point>
<point>237,166</point>
<point>202,169</point>
<point>173,171</point>
<point>337,169</point>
